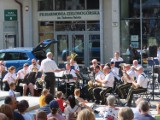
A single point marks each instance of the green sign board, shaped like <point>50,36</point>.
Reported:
<point>10,15</point>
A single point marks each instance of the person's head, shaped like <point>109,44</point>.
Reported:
<point>11,101</point>
<point>112,64</point>
<point>135,62</point>
<point>59,94</point>
<point>139,70</point>
<point>49,55</point>
<point>72,61</point>
<point>68,66</point>
<point>143,107</point>
<point>106,69</point>
<point>11,69</point>
<point>94,62</point>
<point>127,67</point>
<point>54,106</point>
<point>7,110</point>
<point>125,113</point>
<point>3,116</point>
<point>116,55</point>
<point>45,92</point>
<point>77,92</point>
<point>72,101</point>
<point>97,68</point>
<point>48,98</point>
<point>85,114</point>
<point>25,66</point>
<point>34,62</point>
<point>158,108</point>
<point>41,115</point>
<point>22,106</point>
<point>12,86</point>
<point>111,100</point>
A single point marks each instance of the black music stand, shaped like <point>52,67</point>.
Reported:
<point>68,77</point>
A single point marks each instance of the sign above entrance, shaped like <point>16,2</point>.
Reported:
<point>10,15</point>
<point>68,15</point>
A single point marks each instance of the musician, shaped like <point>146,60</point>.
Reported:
<point>20,77</point>
<point>107,85</point>
<point>92,84</point>
<point>92,67</point>
<point>10,77</point>
<point>128,76</point>
<point>139,86</point>
<point>48,66</point>
<point>34,67</point>
<point>3,72</point>
<point>74,65</point>
<point>135,66</point>
<point>69,82</point>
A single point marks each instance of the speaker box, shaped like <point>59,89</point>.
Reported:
<point>152,51</point>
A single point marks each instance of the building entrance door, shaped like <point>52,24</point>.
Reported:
<point>86,46</point>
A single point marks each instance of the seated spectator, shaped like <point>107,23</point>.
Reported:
<point>46,108</point>
<point>54,110</point>
<point>144,109</point>
<point>3,116</point>
<point>13,104</point>
<point>22,107</point>
<point>157,117</point>
<point>86,114</point>
<point>42,97</point>
<point>6,109</point>
<point>110,111</point>
<point>12,87</point>
<point>72,107</point>
<point>60,100</point>
<point>77,96</point>
<point>126,113</point>
<point>41,115</point>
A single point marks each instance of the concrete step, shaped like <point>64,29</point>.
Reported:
<point>4,94</point>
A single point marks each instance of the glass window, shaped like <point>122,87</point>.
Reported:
<point>69,4</point>
<point>92,5</point>
<point>2,56</point>
<point>130,24</point>
<point>70,26</point>
<point>45,5</point>
<point>23,56</point>
<point>93,26</point>
<point>12,56</point>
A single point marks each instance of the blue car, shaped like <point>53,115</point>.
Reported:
<point>18,56</point>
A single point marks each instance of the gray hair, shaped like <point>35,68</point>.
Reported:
<point>111,100</point>
<point>144,106</point>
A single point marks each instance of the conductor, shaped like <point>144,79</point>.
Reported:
<point>48,67</point>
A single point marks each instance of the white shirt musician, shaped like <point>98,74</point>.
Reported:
<point>72,72</point>
<point>75,65</point>
<point>10,76</point>
<point>23,72</point>
<point>34,67</point>
<point>116,58</point>
<point>108,80</point>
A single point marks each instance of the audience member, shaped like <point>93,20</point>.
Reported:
<point>46,108</point>
<point>78,98</point>
<point>59,99</point>
<point>3,116</point>
<point>12,87</point>
<point>52,118</point>
<point>42,97</point>
<point>13,104</point>
<point>22,107</point>
<point>71,108</point>
<point>144,109</point>
<point>6,109</point>
<point>110,111</point>
<point>126,113</point>
<point>54,106</point>
<point>41,115</point>
<point>85,114</point>
<point>157,117</point>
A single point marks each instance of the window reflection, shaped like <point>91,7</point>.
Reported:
<point>70,26</point>
<point>45,5</point>
<point>93,26</point>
